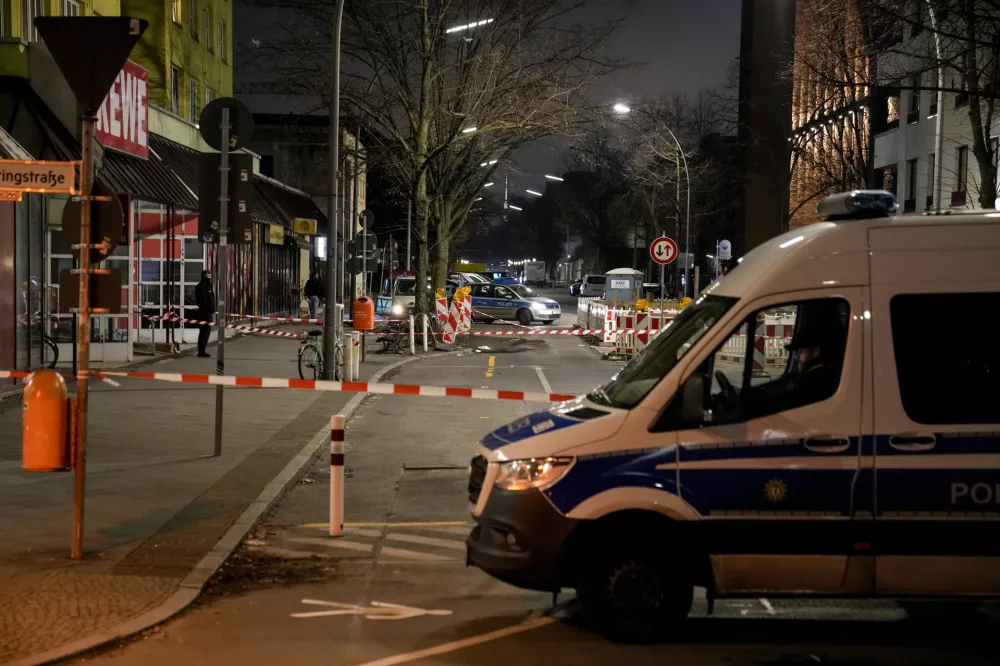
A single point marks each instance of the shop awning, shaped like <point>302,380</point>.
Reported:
<point>290,203</point>
<point>30,121</point>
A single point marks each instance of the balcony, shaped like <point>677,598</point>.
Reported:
<point>959,198</point>
<point>910,206</point>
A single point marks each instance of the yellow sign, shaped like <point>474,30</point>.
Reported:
<point>276,234</point>
<point>305,226</point>
<point>38,176</point>
<point>468,268</point>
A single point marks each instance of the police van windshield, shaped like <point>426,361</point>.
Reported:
<point>635,380</point>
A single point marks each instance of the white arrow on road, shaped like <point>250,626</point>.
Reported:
<point>379,610</point>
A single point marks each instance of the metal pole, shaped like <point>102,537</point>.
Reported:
<point>330,326</point>
<point>661,296</point>
<point>357,216</point>
<point>222,276</point>
<point>409,217</point>
<point>83,341</point>
<point>939,121</point>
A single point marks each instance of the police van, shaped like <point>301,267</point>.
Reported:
<point>823,420</point>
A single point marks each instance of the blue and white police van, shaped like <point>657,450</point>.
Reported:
<point>513,302</point>
<point>865,460</point>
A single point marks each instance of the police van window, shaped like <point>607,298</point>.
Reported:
<point>961,386</point>
<point>781,358</point>
<point>635,380</point>
<point>482,290</point>
<point>505,292</point>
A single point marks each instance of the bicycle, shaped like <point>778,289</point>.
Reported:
<point>311,357</point>
<point>394,337</point>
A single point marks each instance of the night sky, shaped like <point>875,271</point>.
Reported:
<point>683,45</point>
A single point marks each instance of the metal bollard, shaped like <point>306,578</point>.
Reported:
<point>423,319</point>
<point>413,346</point>
<point>356,338</point>
<point>347,371</point>
<point>337,476</point>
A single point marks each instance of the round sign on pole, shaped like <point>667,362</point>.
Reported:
<point>240,121</point>
<point>663,250</point>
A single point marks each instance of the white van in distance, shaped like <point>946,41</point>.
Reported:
<point>805,427</point>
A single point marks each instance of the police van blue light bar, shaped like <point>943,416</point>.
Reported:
<point>858,204</point>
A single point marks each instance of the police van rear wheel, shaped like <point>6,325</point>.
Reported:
<point>634,592</point>
<point>524,316</point>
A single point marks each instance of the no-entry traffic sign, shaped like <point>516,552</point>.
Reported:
<point>663,250</point>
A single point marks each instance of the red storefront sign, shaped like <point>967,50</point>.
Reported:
<point>123,118</point>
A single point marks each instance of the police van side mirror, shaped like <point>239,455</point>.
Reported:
<point>693,401</point>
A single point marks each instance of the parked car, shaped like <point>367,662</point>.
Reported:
<point>404,295</point>
<point>574,287</point>
<point>593,285</point>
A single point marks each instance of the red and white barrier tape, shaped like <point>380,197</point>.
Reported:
<point>295,320</point>
<point>346,387</point>
<point>245,329</point>
<point>21,374</point>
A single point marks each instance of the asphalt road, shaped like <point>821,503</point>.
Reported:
<point>395,589</point>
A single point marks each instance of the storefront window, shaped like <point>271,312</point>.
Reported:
<point>28,267</point>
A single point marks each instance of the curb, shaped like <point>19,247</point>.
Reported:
<point>193,584</point>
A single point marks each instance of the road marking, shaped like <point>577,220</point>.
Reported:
<point>491,364</point>
<point>542,379</point>
<point>767,606</point>
<point>379,610</point>
<point>415,555</point>
<point>412,538</point>
<point>454,646</point>
<point>437,523</point>
<point>335,543</point>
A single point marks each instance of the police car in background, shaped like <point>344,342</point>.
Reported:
<point>514,302</point>
<point>862,461</point>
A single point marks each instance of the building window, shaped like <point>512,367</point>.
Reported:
<point>914,113</point>
<point>963,168</point>
<point>194,20</point>
<point>70,8</point>
<point>206,14</point>
<point>175,89</point>
<point>962,98</point>
<point>917,26</point>
<point>222,41</point>
<point>932,103</point>
<point>30,9</point>
<point>193,99</point>
<point>176,10</point>
<point>892,110</point>
<point>209,96</point>
<point>910,203</point>
<point>930,182</point>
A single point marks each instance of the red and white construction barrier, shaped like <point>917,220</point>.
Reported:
<point>337,476</point>
<point>634,330</point>
<point>342,387</point>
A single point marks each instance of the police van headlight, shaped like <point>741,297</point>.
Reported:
<point>398,309</point>
<point>537,306</point>
<point>531,473</point>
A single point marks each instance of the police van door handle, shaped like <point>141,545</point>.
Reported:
<point>827,444</point>
<point>912,442</point>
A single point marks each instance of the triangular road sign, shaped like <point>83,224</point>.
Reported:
<point>90,51</point>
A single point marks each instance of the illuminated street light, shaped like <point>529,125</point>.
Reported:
<point>468,130</point>
<point>621,108</point>
<point>548,177</point>
<point>468,26</point>
<point>490,163</point>
<point>488,185</point>
<point>537,194</point>
<point>512,206</point>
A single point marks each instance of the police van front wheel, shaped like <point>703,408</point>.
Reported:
<point>524,316</point>
<point>634,592</point>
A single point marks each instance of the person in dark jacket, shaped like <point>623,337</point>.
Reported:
<point>204,297</point>
<point>315,292</point>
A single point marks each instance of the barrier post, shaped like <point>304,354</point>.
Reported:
<point>347,370</point>
<point>337,476</point>
<point>423,319</point>
<point>413,347</point>
<point>356,339</point>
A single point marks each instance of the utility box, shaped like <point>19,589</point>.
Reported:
<point>623,284</point>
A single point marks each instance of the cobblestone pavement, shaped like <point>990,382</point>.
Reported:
<point>155,503</point>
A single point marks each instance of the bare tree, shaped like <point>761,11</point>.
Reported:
<point>449,88</point>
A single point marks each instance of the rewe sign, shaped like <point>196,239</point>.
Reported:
<point>123,117</point>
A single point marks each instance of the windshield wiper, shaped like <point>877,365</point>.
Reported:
<point>601,396</point>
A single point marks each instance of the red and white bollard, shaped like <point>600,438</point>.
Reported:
<point>337,476</point>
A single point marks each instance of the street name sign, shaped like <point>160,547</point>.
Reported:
<point>39,176</point>
<point>663,250</point>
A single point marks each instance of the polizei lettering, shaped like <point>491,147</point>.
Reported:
<point>981,494</point>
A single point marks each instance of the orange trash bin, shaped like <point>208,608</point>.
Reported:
<point>45,445</point>
<point>364,314</point>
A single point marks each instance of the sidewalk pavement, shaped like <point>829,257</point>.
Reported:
<point>156,506</point>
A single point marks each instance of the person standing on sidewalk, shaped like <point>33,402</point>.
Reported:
<point>315,292</point>
<point>204,297</point>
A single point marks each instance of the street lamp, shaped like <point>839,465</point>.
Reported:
<point>513,207</point>
<point>489,163</point>
<point>469,130</point>
<point>557,178</point>
<point>490,184</point>
<point>537,194</point>
<point>621,108</point>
